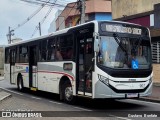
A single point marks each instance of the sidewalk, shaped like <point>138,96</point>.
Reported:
<point>1,78</point>
<point>155,96</point>
<point>4,95</point>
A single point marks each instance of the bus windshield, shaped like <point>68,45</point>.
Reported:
<point>124,52</point>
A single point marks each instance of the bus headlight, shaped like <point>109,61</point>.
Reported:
<point>103,79</point>
<point>150,80</point>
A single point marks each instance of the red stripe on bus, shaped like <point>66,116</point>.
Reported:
<point>58,73</point>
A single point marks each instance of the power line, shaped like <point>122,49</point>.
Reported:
<point>31,16</point>
<point>67,16</point>
<point>40,2</point>
<point>42,21</point>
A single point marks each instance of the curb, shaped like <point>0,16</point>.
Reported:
<point>1,77</point>
<point>5,97</point>
<point>149,100</point>
<point>157,84</point>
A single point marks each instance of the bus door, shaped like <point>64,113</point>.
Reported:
<point>33,66</point>
<point>12,66</point>
<point>85,64</point>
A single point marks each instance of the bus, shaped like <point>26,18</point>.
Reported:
<point>97,59</point>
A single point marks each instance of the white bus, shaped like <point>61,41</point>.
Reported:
<point>98,59</point>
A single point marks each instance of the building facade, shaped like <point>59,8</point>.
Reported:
<point>2,60</point>
<point>94,10</point>
<point>52,27</point>
<point>145,13</point>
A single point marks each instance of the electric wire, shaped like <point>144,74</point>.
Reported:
<point>66,17</point>
<point>42,21</point>
<point>31,16</point>
<point>40,2</point>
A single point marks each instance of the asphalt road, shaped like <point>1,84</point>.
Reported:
<point>50,105</point>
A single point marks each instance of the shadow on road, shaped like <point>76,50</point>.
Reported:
<point>88,103</point>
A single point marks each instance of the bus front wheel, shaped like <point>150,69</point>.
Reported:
<point>20,83</point>
<point>67,92</point>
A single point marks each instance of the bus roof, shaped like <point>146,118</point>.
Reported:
<point>65,31</point>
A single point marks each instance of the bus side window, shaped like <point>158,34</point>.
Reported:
<point>51,49</point>
<point>23,53</point>
<point>58,54</point>
<point>66,47</point>
<point>43,50</point>
<point>7,56</point>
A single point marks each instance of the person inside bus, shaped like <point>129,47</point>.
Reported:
<point>58,54</point>
<point>104,51</point>
<point>53,55</point>
<point>69,53</point>
<point>131,57</point>
<point>120,55</point>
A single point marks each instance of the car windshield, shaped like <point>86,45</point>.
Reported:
<point>124,52</point>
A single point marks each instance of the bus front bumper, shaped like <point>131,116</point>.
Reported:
<point>108,91</point>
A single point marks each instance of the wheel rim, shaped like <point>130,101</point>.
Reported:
<point>68,93</point>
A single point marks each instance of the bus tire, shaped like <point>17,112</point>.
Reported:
<point>20,83</point>
<point>67,93</point>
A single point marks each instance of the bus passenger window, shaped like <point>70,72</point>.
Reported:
<point>70,53</point>
<point>58,55</point>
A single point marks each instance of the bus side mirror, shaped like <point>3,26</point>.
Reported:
<point>96,44</point>
<point>96,41</point>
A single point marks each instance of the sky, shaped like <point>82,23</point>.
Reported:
<point>14,12</point>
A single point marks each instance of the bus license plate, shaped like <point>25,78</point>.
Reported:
<point>132,95</point>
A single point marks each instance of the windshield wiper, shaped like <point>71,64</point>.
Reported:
<point>118,40</point>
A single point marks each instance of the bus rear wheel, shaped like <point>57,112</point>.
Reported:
<point>20,83</point>
<point>67,92</point>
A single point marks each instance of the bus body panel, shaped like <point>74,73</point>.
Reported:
<point>50,74</point>
<point>7,72</point>
<point>23,70</point>
<point>115,87</point>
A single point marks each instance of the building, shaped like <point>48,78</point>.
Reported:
<point>95,10</point>
<point>145,13</point>
<point>52,27</point>
<point>2,60</point>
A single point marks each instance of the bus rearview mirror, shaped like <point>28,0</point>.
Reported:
<point>96,44</point>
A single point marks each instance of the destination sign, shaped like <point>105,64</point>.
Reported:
<point>122,29</point>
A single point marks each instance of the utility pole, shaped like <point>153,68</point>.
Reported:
<point>39,28</point>
<point>81,8</point>
<point>10,33</point>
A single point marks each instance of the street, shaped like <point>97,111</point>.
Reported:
<point>43,101</point>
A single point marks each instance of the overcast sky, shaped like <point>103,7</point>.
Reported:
<point>14,12</point>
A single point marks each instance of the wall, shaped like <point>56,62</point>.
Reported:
<point>157,16</point>
<point>103,16</point>
<point>1,60</point>
<point>144,21</point>
<point>156,74</point>
<point>131,7</point>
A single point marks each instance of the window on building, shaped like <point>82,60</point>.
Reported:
<point>156,52</point>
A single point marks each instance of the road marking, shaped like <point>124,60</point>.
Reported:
<point>35,98</point>
<point>11,91</point>
<point>122,118</point>
<point>55,102</point>
<point>82,109</point>
<point>145,102</point>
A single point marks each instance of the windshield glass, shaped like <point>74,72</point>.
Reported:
<point>124,52</point>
